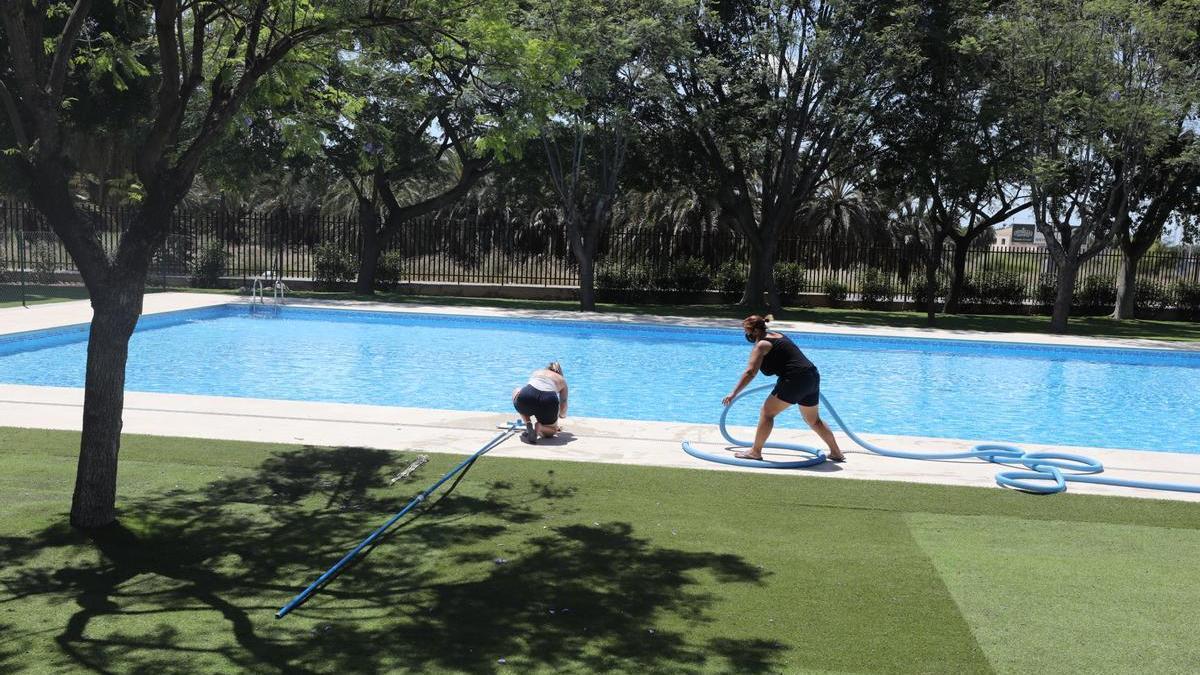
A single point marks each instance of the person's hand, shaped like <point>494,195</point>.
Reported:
<point>727,400</point>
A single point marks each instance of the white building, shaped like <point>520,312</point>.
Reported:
<point>1020,235</point>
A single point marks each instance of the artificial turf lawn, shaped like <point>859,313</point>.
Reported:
<point>10,294</point>
<point>574,567</point>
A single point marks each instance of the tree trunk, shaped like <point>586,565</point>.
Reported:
<point>587,283</point>
<point>753,293</point>
<point>959,272</point>
<point>368,263</point>
<point>1126,285</point>
<point>932,264</point>
<point>115,314</point>
<point>1065,294</point>
<point>759,280</point>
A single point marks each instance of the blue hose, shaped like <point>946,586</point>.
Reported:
<point>1038,472</point>
<point>422,496</point>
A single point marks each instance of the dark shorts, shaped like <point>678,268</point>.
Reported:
<point>537,403</point>
<point>803,388</point>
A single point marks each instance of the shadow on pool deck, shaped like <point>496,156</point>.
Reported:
<point>189,580</point>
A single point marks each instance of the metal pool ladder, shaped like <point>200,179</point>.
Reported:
<point>258,294</point>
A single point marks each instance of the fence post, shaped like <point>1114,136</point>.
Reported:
<point>21,265</point>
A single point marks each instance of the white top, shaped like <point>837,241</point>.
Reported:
<point>543,383</point>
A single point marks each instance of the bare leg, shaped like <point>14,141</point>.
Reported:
<point>547,430</point>
<point>766,423</point>
<point>813,418</point>
<point>524,418</point>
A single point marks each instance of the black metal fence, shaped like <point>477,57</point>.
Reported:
<point>466,250</point>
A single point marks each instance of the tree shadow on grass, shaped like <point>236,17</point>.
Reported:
<point>188,581</point>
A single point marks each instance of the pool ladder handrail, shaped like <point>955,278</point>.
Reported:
<point>258,290</point>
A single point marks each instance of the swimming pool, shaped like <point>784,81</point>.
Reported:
<point>1115,398</point>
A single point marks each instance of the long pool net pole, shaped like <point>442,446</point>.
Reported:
<point>304,595</point>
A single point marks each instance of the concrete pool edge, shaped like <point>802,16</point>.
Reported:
<point>608,441</point>
<point>56,315</point>
<point>655,444</point>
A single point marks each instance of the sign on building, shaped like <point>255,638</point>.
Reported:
<point>1022,233</point>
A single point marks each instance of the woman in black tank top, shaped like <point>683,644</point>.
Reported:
<point>799,384</point>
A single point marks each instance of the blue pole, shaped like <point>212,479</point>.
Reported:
<point>422,496</point>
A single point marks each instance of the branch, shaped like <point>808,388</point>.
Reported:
<point>14,116</point>
<point>66,44</point>
<point>473,170</point>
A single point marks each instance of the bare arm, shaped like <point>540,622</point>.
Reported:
<point>756,356</point>
<point>562,400</point>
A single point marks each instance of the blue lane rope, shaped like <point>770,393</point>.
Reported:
<point>510,429</point>
<point>1039,472</point>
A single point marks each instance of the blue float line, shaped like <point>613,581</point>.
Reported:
<point>422,496</point>
<point>1041,472</point>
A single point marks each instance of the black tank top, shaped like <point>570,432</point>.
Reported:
<point>785,358</point>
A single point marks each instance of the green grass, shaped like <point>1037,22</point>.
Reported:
<point>10,294</point>
<point>573,567</point>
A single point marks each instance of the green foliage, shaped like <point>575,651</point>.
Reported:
<point>877,289</point>
<point>210,265</point>
<point>920,289</point>
<point>1151,297</point>
<point>691,275</point>
<point>789,280</point>
<point>625,277</point>
<point>1046,290</point>
<point>390,268</point>
<point>731,279</point>
<point>836,291</point>
<point>994,288</point>
<point>333,264</point>
<point>41,257</point>
<point>1187,298</point>
<point>1096,292</point>
<point>174,257</point>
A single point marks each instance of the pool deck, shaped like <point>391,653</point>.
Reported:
<point>584,439</point>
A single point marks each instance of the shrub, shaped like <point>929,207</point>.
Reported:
<point>639,277</point>
<point>731,279</point>
<point>997,287</point>
<point>333,264</point>
<point>210,266</point>
<point>1187,298</point>
<point>1096,292</point>
<point>1150,297</point>
<point>174,257</point>
<point>920,290</point>
<point>789,280</point>
<point>690,275</point>
<point>616,277</point>
<point>877,289</point>
<point>1047,289</point>
<point>610,277</point>
<point>43,261</point>
<point>390,269</point>
<point>836,291</point>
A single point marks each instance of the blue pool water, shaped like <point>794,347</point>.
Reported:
<point>1118,398</point>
